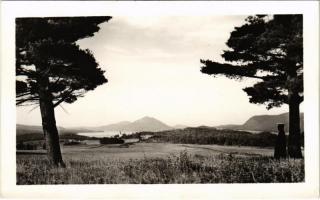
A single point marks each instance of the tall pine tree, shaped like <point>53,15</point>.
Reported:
<point>269,48</point>
<point>51,68</point>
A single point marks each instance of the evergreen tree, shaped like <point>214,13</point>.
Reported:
<point>269,48</point>
<point>51,68</point>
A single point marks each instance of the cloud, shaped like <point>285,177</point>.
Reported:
<point>162,37</point>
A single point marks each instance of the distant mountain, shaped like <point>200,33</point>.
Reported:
<point>268,122</point>
<point>27,129</point>
<point>265,123</point>
<point>143,124</point>
<point>148,124</point>
<point>203,127</point>
<point>114,127</point>
<point>179,126</point>
<point>30,129</point>
<point>230,126</point>
<point>255,123</point>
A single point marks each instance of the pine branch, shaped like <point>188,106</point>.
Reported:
<point>64,96</point>
<point>19,102</point>
<point>231,71</point>
<point>23,94</point>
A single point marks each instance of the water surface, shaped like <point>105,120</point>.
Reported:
<point>104,134</point>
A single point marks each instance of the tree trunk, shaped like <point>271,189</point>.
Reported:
<point>294,100</point>
<point>48,120</point>
<point>294,144</point>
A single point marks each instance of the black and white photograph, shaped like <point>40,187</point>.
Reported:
<point>114,99</point>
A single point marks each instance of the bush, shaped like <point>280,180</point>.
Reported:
<point>107,140</point>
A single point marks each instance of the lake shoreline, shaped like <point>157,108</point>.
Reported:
<point>101,134</point>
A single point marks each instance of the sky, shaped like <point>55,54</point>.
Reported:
<point>153,69</point>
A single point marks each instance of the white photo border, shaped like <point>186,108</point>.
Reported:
<point>12,9</point>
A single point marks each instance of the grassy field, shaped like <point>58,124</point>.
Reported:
<point>152,163</point>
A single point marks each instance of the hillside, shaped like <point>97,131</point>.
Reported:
<point>268,122</point>
<point>143,124</point>
<point>265,123</point>
<point>179,126</point>
<point>230,126</point>
<point>115,126</point>
<point>29,129</point>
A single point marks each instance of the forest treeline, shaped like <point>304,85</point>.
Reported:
<point>213,136</point>
<point>191,135</point>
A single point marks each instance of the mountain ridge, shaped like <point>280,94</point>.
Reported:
<point>254,123</point>
<point>264,123</point>
<point>143,124</point>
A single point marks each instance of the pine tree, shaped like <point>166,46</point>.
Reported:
<point>51,68</point>
<point>269,48</point>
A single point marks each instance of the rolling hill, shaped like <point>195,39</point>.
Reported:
<point>179,126</point>
<point>28,129</point>
<point>114,127</point>
<point>143,124</point>
<point>264,123</point>
<point>22,129</point>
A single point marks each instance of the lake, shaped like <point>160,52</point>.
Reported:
<point>105,133</point>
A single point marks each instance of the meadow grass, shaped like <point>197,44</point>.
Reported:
<point>178,168</point>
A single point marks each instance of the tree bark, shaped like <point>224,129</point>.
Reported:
<point>294,100</point>
<point>48,120</point>
<point>294,144</point>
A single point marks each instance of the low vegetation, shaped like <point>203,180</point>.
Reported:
<point>111,140</point>
<point>35,141</point>
<point>190,155</point>
<point>207,135</point>
<point>198,135</point>
<point>181,168</point>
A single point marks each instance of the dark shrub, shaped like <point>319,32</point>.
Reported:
<point>107,140</point>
